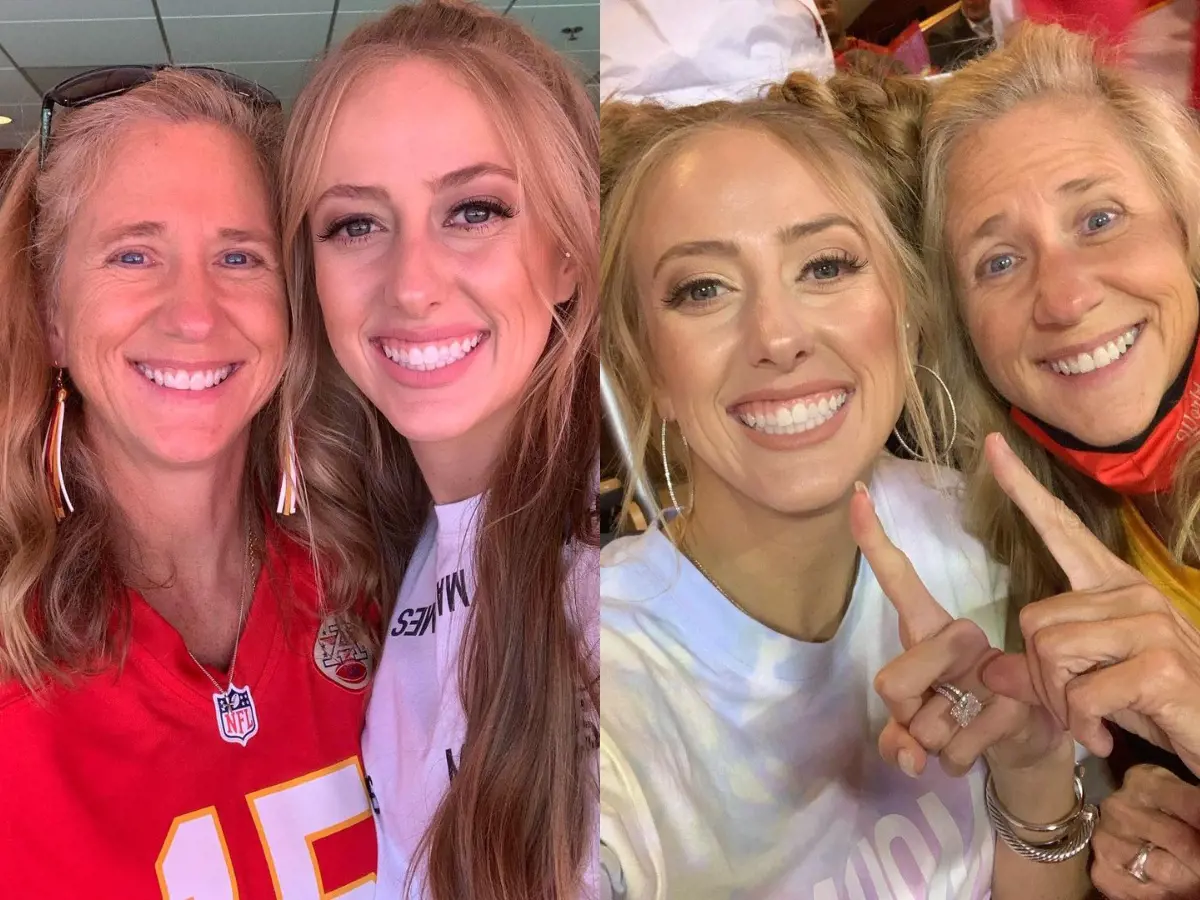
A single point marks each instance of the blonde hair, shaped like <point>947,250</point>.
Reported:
<point>1046,62</point>
<point>62,586</point>
<point>515,822</point>
<point>862,136</point>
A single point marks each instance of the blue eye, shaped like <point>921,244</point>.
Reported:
<point>999,264</point>
<point>132,258</point>
<point>697,292</point>
<point>237,259</point>
<point>1098,220</point>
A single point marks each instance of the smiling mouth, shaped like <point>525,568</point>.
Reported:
<point>187,379</point>
<point>429,356</point>
<point>791,416</point>
<point>1097,358</point>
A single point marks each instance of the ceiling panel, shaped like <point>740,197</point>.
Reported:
<point>77,42</point>
<point>566,27</point>
<point>283,79</point>
<point>46,10</point>
<point>267,38</point>
<point>183,8</point>
<point>14,88</point>
<point>270,41</point>
<point>25,118</point>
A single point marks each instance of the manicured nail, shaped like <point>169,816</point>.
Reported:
<point>907,765</point>
<point>860,488</point>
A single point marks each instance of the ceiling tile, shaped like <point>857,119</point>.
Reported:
<point>586,63</point>
<point>46,10</point>
<point>46,77</point>
<point>283,79</point>
<point>77,43</point>
<point>15,89</point>
<point>346,22</point>
<point>184,8</point>
<point>557,25</point>
<point>247,38</point>
<point>25,118</point>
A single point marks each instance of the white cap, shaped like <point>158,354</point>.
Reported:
<point>681,52</point>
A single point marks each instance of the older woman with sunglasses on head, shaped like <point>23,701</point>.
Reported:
<point>179,715</point>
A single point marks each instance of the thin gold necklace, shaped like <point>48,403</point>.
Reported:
<point>690,557</point>
<point>237,716</point>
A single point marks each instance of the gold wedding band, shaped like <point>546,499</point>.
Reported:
<point>1137,868</point>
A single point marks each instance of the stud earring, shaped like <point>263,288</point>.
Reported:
<point>60,499</point>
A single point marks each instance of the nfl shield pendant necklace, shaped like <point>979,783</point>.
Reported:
<point>237,719</point>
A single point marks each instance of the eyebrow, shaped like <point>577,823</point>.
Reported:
<point>131,229</point>
<point>243,236</point>
<point>462,176</point>
<point>376,192</point>
<point>1074,186</point>
<point>786,235</point>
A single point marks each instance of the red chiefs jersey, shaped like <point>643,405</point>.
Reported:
<point>138,783</point>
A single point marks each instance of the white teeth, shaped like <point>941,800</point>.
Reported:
<point>794,418</point>
<point>183,380</point>
<point>1104,355</point>
<point>431,356</point>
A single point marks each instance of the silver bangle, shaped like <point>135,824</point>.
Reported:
<point>1072,832</point>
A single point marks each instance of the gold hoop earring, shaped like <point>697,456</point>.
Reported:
<point>662,440</point>
<point>60,499</point>
<point>953,416</point>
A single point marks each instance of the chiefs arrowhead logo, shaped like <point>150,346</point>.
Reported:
<point>340,658</point>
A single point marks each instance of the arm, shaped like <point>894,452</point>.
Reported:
<point>1040,793</point>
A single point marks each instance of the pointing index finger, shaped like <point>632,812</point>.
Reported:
<point>921,616</point>
<point>1087,563</point>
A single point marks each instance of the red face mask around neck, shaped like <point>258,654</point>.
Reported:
<point>1144,464</point>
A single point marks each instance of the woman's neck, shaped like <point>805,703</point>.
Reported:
<point>794,574</point>
<point>185,547</point>
<point>459,467</point>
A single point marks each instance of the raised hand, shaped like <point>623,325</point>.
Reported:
<point>1152,807</point>
<point>1113,648</point>
<point>941,649</point>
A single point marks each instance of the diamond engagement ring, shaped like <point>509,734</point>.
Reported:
<point>964,706</point>
<point>1137,868</point>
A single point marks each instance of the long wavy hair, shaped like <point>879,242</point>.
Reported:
<point>517,819</point>
<point>861,135</point>
<point>61,585</point>
<point>1039,62</point>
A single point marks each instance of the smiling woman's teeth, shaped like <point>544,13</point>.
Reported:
<point>792,418</point>
<point>1102,356</point>
<point>184,380</point>
<point>431,356</point>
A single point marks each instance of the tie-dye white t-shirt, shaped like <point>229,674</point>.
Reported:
<point>739,763</point>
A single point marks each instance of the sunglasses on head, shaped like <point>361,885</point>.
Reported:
<point>93,86</point>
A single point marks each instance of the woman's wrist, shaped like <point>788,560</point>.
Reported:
<point>1040,793</point>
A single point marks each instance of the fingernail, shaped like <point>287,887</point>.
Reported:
<point>860,488</point>
<point>907,764</point>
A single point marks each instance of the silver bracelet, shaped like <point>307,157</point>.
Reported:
<point>1072,833</point>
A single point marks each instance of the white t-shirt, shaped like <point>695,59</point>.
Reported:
<point>412,743</point>
<point>736,762</point>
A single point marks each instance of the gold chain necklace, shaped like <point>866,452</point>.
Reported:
<point>237,716</point>
<point>690,557</point>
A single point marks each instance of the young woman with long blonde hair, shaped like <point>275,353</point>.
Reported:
<point>440,220</point>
